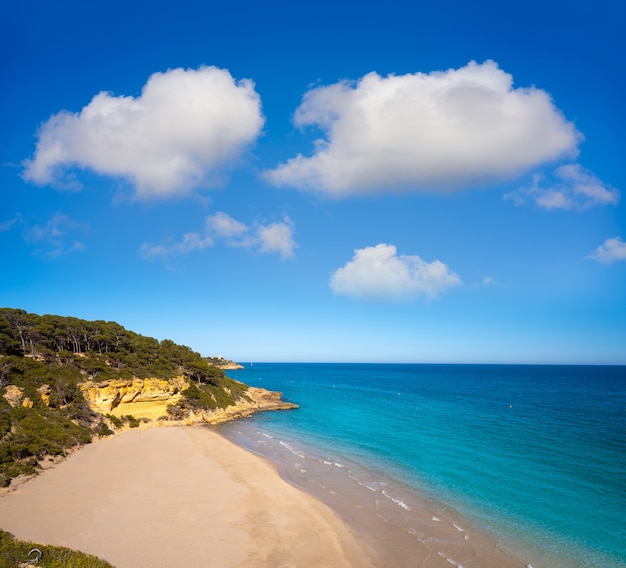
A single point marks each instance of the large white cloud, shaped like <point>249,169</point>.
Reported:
<point>425,132</point>
<point>177,135</point>
<point>274,237</point>
<point>379,273</point>
<point>574,187</point>
<point>612,250</point>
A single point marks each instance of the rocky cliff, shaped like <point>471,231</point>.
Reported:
<point>150,398</point>
<point>141,398</point>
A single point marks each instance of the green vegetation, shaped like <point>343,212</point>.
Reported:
<point>197,397</point>
<point>119,421</point>
<point>102,350</point>
<point>15,553</point>
<point>33,429</point>
<point>44,359</point>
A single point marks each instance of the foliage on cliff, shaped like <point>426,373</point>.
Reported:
<point>43,359</point>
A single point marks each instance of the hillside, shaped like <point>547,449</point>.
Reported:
<point>64,380</point>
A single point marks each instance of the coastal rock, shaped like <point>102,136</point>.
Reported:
<point>230,366</point>
<point>149,398</point>
<point>224,364</point>
<point>141,398</point>
<point>261,400</point>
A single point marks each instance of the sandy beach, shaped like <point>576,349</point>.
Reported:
<point>179,496</point>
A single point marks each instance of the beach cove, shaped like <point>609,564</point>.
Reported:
<point>187,496</point>
<point>178,496</point>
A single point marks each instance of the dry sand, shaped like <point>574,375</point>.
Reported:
<point>179,497</point>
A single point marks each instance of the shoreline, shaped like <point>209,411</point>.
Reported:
<point>133,492</point>
<point>405,528</point>
<point>162,497</point>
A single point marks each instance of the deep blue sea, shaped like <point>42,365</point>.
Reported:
<point>534,455</point>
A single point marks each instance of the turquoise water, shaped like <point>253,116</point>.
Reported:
<point>536,455</point>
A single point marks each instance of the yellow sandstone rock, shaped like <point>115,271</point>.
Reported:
<point>13,395</point>
<point>149,398</point>
<point>141,398</point>
<point>44,392</point>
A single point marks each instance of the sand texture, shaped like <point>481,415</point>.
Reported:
<point>179,496</point>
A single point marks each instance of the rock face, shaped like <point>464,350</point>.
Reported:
<point>149,398</point>
<point>14,395</point>
<point>141,398</point>
<point>44,392</point>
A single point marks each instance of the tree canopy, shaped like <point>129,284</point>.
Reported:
<point>106,349</point>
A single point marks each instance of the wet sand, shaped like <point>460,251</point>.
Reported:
<point>180,496</point>
<point>405,529</point>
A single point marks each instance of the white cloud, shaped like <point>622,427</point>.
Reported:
<point>379,273</point>
<point>270,238</point>
<point>425,132</point>
<point>57,237</point>
<point>612,250</point>
<point>223,225</point>
<point>183,129</point>
<point>574,187</point>
<point>277,237</point>
<point>187,243</point>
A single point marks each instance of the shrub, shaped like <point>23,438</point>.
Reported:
<point>104,430</point>
<point>115,420</point>
<point>132,421</point>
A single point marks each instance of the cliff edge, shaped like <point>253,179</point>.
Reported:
<point>155,400</point>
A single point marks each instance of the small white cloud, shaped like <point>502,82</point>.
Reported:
<point>223,225</point>
<point>57,237</point>
<point>7,225</point>
<point>573,188</point>
<point>154,251</point>
<point>612,250</point>
<point>189,242</point>
<point>183,129</point>
<point>273,237</point>
<point>277,237</point>
<point>440,131</point>
<point>484,282</point>
<point>379,273</point>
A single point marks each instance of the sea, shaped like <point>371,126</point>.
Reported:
<point>532,457</point>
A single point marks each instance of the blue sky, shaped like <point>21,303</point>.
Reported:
<point>396,182</point>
